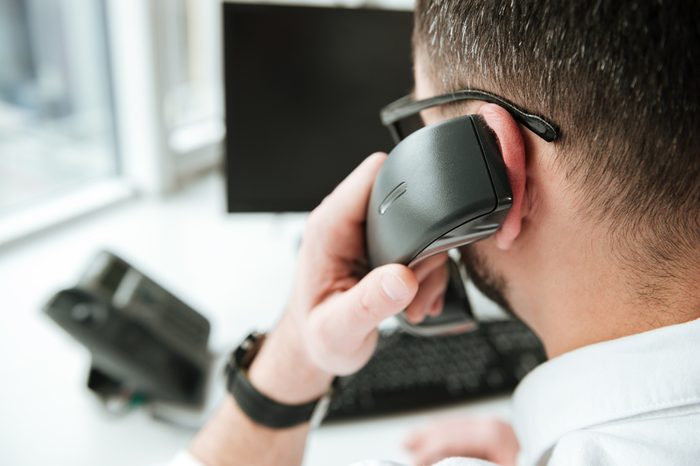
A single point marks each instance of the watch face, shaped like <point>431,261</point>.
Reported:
<point>245,353</point>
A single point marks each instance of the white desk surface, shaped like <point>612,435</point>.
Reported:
<point>235,269</point>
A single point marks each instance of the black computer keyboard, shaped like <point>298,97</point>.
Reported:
<point>409,372</point>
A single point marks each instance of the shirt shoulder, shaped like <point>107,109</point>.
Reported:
<point>669,438</point>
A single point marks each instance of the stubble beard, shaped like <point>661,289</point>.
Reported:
<point>486,280</point>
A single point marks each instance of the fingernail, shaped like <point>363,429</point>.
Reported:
<point>394,287</point>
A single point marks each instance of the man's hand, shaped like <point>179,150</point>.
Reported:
<point>330,327</point>
<point>488,439</point>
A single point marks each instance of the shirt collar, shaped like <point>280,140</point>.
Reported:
<point>607,381</point>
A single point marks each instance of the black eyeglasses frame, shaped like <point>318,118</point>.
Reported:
<point>407,106</point>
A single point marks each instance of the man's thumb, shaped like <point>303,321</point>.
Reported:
<point>382,293</point>
<point>345,324</point>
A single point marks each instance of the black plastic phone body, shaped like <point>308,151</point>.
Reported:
<point>442,187</point>
<point>141,337</point>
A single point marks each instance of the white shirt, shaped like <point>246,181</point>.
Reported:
<point>634,401</point>
<point>631,401</point>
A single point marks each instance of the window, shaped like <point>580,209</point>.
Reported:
<point>188,31</point>
<point>101,99</point>
<point>56,112</point>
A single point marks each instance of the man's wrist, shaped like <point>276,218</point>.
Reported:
<point>284,371</point>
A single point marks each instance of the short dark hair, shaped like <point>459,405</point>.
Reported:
<point>622,81</point>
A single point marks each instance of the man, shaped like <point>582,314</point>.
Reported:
<point>599,254</point>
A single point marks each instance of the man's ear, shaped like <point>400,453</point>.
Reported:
<point>512,147</point>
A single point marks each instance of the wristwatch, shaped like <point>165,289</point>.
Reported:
<point>259,407</point>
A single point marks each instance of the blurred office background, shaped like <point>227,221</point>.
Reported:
<point>103,99</point>
<point>111,130</point>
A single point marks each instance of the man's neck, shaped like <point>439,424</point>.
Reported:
<point>584,314</point>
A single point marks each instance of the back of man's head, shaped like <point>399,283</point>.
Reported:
<point>621,79</point>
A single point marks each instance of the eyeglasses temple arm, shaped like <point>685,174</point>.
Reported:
<point>406,106</point>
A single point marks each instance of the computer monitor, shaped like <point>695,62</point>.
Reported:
<point>303,87</point>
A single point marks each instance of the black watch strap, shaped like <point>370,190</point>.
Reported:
<point>264,410</point>
<point>258,407</point>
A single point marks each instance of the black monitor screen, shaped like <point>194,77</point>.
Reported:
<point>304,86</point>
